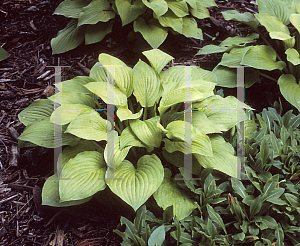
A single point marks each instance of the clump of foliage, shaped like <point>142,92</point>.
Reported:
<point>92,20</point>
<point>263,209</point>
<point>279,51</point>
<point>3,54</point>
<point>138,154</point>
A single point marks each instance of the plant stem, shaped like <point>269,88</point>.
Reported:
<point>130,105</point>
<point>267,76</point>
<point>145,113</point>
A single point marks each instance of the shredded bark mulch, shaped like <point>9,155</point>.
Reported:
<point>27,27</point>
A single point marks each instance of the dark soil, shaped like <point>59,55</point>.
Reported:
<point>27,27</point>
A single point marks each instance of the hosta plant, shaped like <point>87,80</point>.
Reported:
<point>137,155</point>
<point>277,49</point>
<point>92,20</point>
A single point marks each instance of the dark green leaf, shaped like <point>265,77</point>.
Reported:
<point>270,186</point>
<point>212,230</point>
<point>293,200</point>
<point>286,118</point>
<point>157,237</point>
<point>255,206</point>
<point>264,151</point>
<point>239,188</point>
<point>279,235</point>
<point>215,217</point>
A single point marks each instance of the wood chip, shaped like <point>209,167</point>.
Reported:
<point>14,156</point>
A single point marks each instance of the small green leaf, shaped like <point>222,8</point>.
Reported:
<point>3,54</point>
<point>255,206</point>
<point>215,217</point>
<point>157,237</point>
<point>293,56</point>
<point>264,151</point>
<point>279,235</point>
<point>293,200</point>
<point>239,188</point>
<point>245,17</point>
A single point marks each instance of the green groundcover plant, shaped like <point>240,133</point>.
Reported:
<point>3,54</point>
<point>279,51</point>
<point>148,143</point>
<point>92,20</point>
<point>262,210</point>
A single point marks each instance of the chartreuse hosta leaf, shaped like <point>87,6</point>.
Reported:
<point>75,85</point>
<point>246,17</point>
<point>179,8</point>
<point>159,7</point>
<point>68,112</point>
<point>136,185</point>
<point>200,144</point>
<point>71,151</point>
<point>190,28</point>
<point>82,176</point>
<point>115,157</point>
<point>152,32</point>
<point>276,28</point>
<point>41,132</point>
<point>119,71</point>
<point>262,57</point>
<point>99,73</point>
<point>108,93</point>
<point>130,10</point>
<point>50,192</point>
<point>128,138</point>
<point>292,56</point>
<point>290,89</point>
<point>221,112</point>
<point>169,19</point>
<point>280,9</point>
<point>95,127</point>
<point>37,110</point>
<point>228,44</point>
<point>223,157</point>
<point>97,10</point>
<point>147,131</point>
<point>146,84</point>
<point>227,77</point>
<point>124,113</point>
<point>200,11</point>
<point>157,59</point>
<point>174,78</point>
<point>69,97</point>
<point>176,130</point>
<point>295,20</point>
<point>169,194</point>
<point>178,96</point>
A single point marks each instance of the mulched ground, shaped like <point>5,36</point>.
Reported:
<point>27,27</point>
